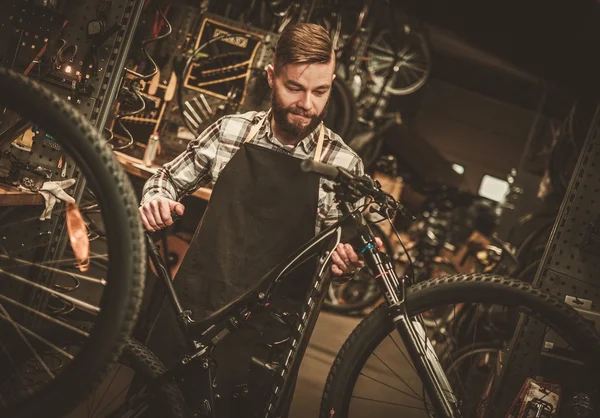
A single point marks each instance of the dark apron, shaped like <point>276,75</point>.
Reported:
<point>262,209</point>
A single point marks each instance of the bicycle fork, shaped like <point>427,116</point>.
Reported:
<point>413,335</point>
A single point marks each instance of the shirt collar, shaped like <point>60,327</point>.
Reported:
<point>308,144</point>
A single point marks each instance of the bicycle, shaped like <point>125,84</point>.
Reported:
<point>190,386</point>
<point>55,270</point>
<point>361,292</point>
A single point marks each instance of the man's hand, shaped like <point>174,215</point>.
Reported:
<point>346,261</point>
<point>156,214</point>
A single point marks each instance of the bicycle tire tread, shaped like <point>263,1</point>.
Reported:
<point>140,357</point>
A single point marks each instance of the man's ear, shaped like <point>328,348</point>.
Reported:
<point>333,77</point>
<point>270,75</point>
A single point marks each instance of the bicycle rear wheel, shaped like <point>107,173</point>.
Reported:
<point>41,286</point>
<point>371,364</point>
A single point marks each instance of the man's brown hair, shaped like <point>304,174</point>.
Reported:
<point>303,43</point>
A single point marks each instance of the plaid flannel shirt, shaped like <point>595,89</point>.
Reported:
<point>206,156</point>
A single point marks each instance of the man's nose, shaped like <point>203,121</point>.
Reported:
<point>306,102</point>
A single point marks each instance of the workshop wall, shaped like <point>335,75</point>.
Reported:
<point>483,135</point>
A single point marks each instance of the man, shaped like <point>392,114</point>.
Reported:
<point>263,207</point>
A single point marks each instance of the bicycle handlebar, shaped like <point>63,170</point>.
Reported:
<point>328,171</point>
<point>354,187</point>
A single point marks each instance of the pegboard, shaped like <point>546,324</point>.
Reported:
<point>569,267</point>
<point>30,38</point>
<point>106,77</point>
<point>568,258</point>
<point>203,104</point>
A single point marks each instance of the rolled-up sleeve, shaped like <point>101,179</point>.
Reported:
<point>189,171</point>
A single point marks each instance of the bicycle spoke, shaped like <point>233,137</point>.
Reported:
<point>381,66</point>
<point>383,51</point>
<point>396,374</point>
<point>40,338</point>
<point>470,368</point>
<point>391,387</point>
<point>389,403</point>
<point>69,260</point>
<point>405,76</point>
<point>45,316</point>
<point>409,75</point>
<point>456,372</point>
<point>414,67</point>
<point>83,305</point>
<point>118,395</point>
<point>383,43</point>
<point>383,59</point>
<point>55,212</point>
<point>7,354</point>
<point>55,270</point>
<point>407,58</point>
<point>19,330</point>
<point>106,391</point>
<point>418,76</point>
<point>403,355</point>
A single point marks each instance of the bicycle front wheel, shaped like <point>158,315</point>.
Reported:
<point>373,376</point>
<point>361,292</point>
<point>45,284</point>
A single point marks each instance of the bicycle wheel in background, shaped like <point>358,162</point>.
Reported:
<point>372,376</point>
<point>404,52</point>
<point>45,284</point>
<point>341,114</point>
<point>342,19</point>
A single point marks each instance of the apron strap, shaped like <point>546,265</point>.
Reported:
<point>319,149</point>
<point>255,128</point>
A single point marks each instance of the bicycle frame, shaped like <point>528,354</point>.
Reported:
<point>202,337</point>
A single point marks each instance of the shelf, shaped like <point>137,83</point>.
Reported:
<point>11,196</point>
<point>136,167</point>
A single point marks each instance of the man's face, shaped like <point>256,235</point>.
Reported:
<point>299,97</point>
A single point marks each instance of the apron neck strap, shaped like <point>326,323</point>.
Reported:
<point>319,149</point>
<point>255,128</point>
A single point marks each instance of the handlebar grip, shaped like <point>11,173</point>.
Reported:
<point>174,216</point>
<point>326,170</point>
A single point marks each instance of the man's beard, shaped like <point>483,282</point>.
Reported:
<point>295,129</point>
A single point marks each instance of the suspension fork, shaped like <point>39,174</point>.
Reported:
<point>418,346</point>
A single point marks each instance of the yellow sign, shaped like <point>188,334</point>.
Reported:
<point>238,41</point>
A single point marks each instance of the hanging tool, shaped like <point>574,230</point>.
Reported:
<point>98,38</point>
<point>66,53</point>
